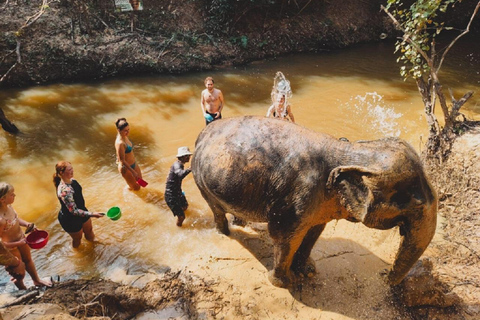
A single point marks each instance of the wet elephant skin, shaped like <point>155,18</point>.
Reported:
<point>297,180</point>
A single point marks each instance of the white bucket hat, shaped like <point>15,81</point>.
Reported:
<point>183,151</point>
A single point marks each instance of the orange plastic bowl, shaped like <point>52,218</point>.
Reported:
<point>37,239</point>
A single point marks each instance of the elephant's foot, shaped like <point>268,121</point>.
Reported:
<point>306,269</point>
<point>279,281</point>
<point>393,278</point>
<point>238,222</point>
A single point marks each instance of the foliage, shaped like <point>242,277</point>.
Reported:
<point>222,14</point>
<point>242,40</point>
<point>419,24</point>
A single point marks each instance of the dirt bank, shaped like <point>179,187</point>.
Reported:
<point>75,40</point>
<point>348,285</point>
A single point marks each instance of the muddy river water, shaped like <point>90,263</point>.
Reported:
<point>355,93</point>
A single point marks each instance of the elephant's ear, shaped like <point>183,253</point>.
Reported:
<point>354,193</point>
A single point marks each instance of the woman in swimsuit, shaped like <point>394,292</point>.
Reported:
<point>73,215</point>
<point>13,238</point>
<point>127,165</point>
<point>280,111</point>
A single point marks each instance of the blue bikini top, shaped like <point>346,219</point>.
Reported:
<point>129,148</point>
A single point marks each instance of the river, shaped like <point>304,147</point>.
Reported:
<point>355,93</point>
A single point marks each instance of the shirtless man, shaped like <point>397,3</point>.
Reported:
<point>211,102</point>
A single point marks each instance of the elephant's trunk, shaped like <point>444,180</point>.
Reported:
<point>416,235</point>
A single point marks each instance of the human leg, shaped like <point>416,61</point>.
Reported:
<point>177,210</point>
<point>138,170</point>
<point>76,238</point>
<point>18,280</point>
<point>24,250</point>
<point>88,230</point>
<point>130,179</point>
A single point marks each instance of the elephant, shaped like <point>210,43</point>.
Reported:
<point>296,180</point>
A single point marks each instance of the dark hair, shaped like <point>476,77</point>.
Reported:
<point>59,169</point>
<point>121,123</point>
<point>208,78</point>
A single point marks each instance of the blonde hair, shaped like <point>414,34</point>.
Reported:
<point>4,188</point>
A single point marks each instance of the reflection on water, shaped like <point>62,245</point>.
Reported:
<point>355,93</point>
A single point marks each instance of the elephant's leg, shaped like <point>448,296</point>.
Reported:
<point>221,221</point>
<point>300,259</point>
<point>416,236</point>
<point>287,237</point>
<point>283,252</point>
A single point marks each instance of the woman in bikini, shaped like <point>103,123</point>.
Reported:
<point>73,216</point>
<point>127,165</point>
<point>13,238</point>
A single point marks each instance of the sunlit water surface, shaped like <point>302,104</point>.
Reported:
<point>355,93</point>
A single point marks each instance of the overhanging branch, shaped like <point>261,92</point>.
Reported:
<point>467,30</point>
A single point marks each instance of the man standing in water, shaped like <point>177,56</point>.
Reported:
<point>174,196</point>
<point>212,101</point>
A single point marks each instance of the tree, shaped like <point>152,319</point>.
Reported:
<point>19,34</point>
<point>420,60</point>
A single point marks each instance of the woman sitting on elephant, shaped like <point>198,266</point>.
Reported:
<point>281,91</point>
<point>280,110</point>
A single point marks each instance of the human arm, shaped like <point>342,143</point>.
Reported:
<point>180,171</point>
<point>65,193</point>
<point>14,244</point>
<point>202,103</point>
<point>28,225</point>
<point>290,114</point>
<point>222,103</point>
<point>270,111</point>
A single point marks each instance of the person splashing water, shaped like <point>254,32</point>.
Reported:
<point>280,94</point>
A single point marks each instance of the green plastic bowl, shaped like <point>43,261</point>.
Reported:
<point>114,213</point>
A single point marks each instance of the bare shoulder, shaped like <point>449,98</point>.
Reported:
<point>119,143</point>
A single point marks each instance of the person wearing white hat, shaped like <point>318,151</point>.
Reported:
<point>174,197</point>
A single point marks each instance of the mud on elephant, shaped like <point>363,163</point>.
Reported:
<point>297,180</point>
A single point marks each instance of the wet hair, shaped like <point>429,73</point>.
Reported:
<point>4,188</point>
<point>121,124</point>
<point>208,78</point>
<point>59,169</point>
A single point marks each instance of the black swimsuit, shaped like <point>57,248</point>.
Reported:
<point>70,222</point>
